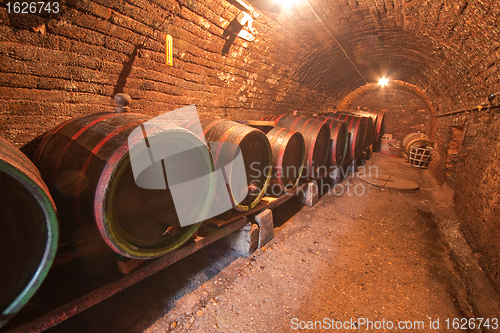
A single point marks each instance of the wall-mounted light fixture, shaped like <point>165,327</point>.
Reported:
<point>240,26</point>
<point>247,31</point>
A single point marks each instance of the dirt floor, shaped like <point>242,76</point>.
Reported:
<point>370,258</point>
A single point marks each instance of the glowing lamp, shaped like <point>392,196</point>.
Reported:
<point>383,81</point>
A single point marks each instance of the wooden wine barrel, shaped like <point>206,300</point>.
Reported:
<point>386,144</point>
<point>377,120</point>
<point>317,140</point>
<point>395,151</point>
<point>288,159</point>
<point>412,136</point>
<point>87,166</point>
<point>29,230</point>
<point>340,139</point>
<point>369,121</point>
<point>256,152</point>
<point>416,141</point>
<point>379,126</point>
<point>274,118</point>
<point>356,129</point>
<point>379,131</point>
<point>373,127</point>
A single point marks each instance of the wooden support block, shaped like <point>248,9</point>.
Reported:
<point>194,235</point>
<point>334,176</point>
<point>368,153</point>
<point>245,240</point>
<point>309,196</point>
<point>349,167</point>
<point>266,226</point>
<point>361,160</point>
<point>127,265</point>
<point>226,216</point>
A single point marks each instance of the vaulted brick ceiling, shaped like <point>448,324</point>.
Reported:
<point>446,48</point>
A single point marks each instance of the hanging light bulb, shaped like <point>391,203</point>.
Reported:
<point>383,81</point>
<point>287,4</point>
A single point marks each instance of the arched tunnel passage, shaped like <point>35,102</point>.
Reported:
<point>407,107</point>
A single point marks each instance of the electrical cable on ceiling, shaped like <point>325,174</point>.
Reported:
<point>482,106</point>
<point>494,107</point>
<point>334,38</point>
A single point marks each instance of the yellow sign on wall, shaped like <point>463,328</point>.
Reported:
<point>168,50</point>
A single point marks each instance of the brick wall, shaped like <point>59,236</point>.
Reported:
<point>70,64</point>
<point>405,112</point>
<point>467,157</point>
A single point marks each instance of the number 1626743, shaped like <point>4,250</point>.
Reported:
<point>38,7</point>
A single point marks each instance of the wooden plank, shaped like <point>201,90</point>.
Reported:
<point>128,265</point>
<point>72,308</point>
<point>245,240</point>
<point>266,226</point>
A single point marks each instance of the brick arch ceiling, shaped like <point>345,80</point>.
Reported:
<point>346,103</point>
<point>442,47</point>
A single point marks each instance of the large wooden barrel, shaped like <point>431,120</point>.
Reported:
<point>274,118</point>
<point>412,136</point>
<point>369,122</point>
<point>379,131</point>
<point>340,139</point>
<point>29,230</point>
<point>379,126</point>
<point>356,130</point>
<point>386,144</point>
<point>86,164</point>
<point>415,139</point>
<point>317,139</point>
<point>288,159</point>
<point>257,156</point>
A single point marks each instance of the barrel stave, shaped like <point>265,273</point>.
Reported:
<point>288,149</point>
<point>340,140</point>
